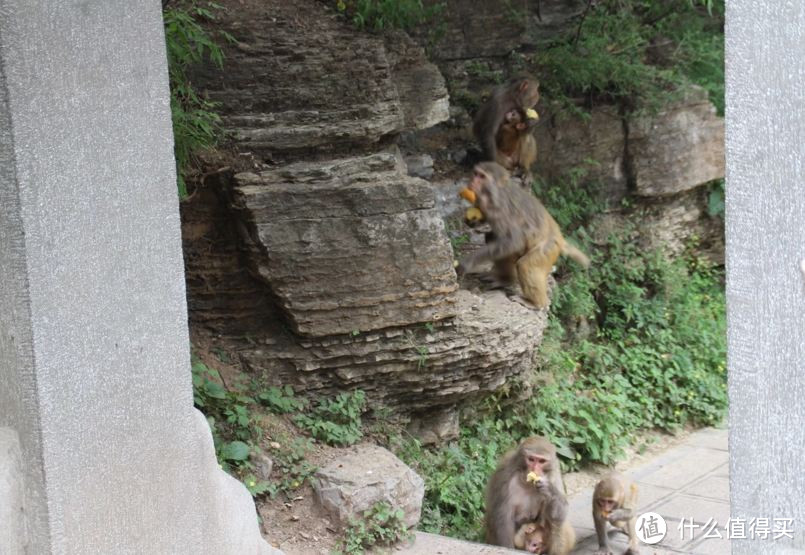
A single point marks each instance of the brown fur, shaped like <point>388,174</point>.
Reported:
<point>512,502</point>
<point>525,236</point>
<point>615,501</point>
<point>519,94</point>
<point>531,537</point>
<point>517,147</point>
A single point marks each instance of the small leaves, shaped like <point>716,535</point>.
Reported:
<point>235,451</point>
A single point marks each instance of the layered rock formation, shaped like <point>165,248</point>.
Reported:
<point>344,255</point>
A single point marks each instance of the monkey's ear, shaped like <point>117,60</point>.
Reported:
<point>523,85</point>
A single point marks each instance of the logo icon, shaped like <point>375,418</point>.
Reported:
<point>651,528</point>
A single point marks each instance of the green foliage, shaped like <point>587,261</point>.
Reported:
<point>290,465</point>
<point>638,341</point>
<point>235,430</point>
<point>609,56</point>
<point>335,421</point>
<point>196,125</point>
<point>715,199</point>
<point>381,526</point>
<point>379,15</point>
<point>280,399</point>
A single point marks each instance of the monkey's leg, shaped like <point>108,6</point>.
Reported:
<point>532,271</point>
<point>562,539</point>
<point>601,531</point>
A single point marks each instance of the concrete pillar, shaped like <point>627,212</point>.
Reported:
<point>765,288</point>
<point>95,389</point>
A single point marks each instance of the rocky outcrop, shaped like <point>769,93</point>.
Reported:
<point>346,254</point>
<point>291,85</point>
<point>566,142</point>
<point>414,369</point>
<point>369,474</point>
<point>679,149</point>
<point>349,245</point>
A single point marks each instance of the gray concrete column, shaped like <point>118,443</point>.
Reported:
<point>765,243</point>
<point>94,362</point>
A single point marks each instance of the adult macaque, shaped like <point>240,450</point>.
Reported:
<point>615,501</point>
<point>519,94</point>
<point>527,487</point>
<point>531,537</point>
<point>517,147</point>
<point>525,235</point>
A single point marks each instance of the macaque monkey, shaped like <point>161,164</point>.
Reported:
<point>615,501</point>
<point>527,487</point>
<point>519,94</point>
<point>525,236</point>
<point>531,537</point>
<point>517,147</point>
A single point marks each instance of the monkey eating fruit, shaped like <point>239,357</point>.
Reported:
<point>525,241</point>
<point>615,502</point>
<point>512,501</point>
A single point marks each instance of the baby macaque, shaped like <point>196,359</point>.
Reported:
<point>615,502</point>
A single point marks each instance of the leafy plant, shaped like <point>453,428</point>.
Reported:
<point>608,56</point>
<point>652,357</point>
<point>335,421</point>
<point>290,465</point>
<point>381,526</point>
<point>196,125</point>
<point>235,431</point>
<point>378,15</point>
<point>280,399</point>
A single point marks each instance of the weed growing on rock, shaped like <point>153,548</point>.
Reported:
<point>381,526</point>
<point>335,421</point>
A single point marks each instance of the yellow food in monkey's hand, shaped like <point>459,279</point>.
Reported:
<point>531,113</point>
<point>605,514</point>
<point>473,215</point>
<point>455,263</point>
<point>533,477</point>
<point>467,195</point>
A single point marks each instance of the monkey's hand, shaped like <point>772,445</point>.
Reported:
<point>557,508</point>
<point>619,514</point>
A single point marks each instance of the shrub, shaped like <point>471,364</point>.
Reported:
<point>196,125</point>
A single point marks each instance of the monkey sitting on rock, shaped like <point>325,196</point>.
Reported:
<point>525,241</point>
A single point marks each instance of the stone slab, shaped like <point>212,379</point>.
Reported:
<point>433,544</point>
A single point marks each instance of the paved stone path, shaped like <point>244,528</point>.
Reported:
<point>689,481</point>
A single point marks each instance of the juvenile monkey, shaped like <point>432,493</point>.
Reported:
<point>527,487</point>
<point>531,537</point>
<point>615,501</point>
<point>519,94</point>
<point>517,147</point>
<point>525,236</point>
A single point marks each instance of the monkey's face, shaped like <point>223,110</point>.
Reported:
<point>607,504</point>
<point>537,463</point>
<point>529,93</point>
<point>513,116</point>
<point>482,185</point>
<point>535,542</point>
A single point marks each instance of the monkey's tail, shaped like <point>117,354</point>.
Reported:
<point>576,254</point>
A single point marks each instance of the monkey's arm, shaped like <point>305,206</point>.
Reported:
<point>601,531</point>
<point>557,505</point>
<point>619,514</point>
<point>502,247</point>
<point>504,526</point>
